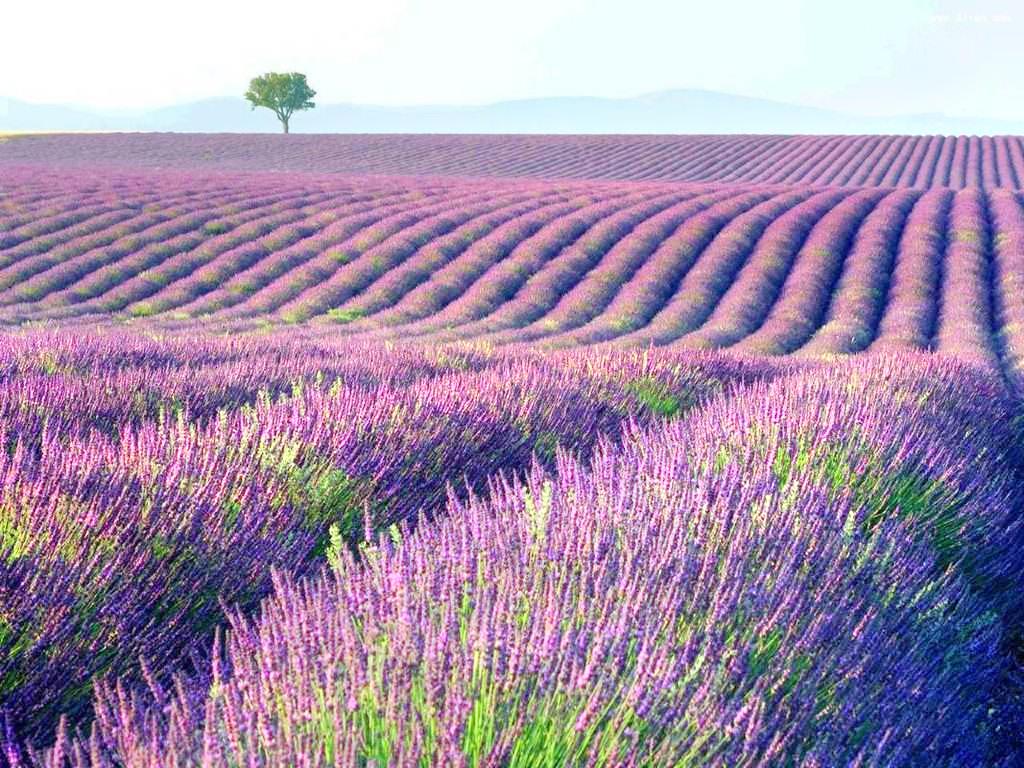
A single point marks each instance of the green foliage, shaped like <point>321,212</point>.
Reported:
<point>230,510</point>
<point>482,723</point>
<point>545,742</point>
<point>379,734</point>
<point>722,458</point>
<point>911,495</point>
<point>15,537</point>
<point>328,494</point>
<point>244,288</point>
<point>49,364</point>
<point>966,236</point>
<point>537,516</point>
<point>281,93</point>
<point>465,614</point>
<point>656,397</point>
<point>332,503</point>
<point>882,493</point>
<point>142,309</point>
<point>765,648</point>
<point>320,725</point>
<point>215,228</point>
<point>429,725</point>
<point>6,631</point>
<point>160,547</point>
<point>335,547</point>
<point>74,540</point>
<point>545,444</point>
<point>556,736</point>
<point>339,315</point>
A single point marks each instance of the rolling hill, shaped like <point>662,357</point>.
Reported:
<point>663,112</point>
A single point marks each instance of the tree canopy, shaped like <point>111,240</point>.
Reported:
<point>283,93</point>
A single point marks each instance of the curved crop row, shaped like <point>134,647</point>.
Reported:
<point>172,228</point>
<point>202,273</point>
<point>390,287</point>
<point>1008,267</point>
<point>624,302</point>
<point>31,256</point>
<point>143,472</point>
<point>384,225</point>
<point>102,280</point>
<point>803,298</point>
<point>593,229</point>
<point>707,281</point>
<point>244,287</point>
<point>965,325</point>
<point>454,277</point>
<point>361,269</point>
<point>767,269</point>
<point>744,305</point>
<point>911,306</point>
<point>581,278</point>
<point>859,296</point>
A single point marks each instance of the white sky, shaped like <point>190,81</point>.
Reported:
<point>868,57</point>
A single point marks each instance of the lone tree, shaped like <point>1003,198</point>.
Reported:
<point>281,93</point>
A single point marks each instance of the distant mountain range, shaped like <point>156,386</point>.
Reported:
<point>676,111</point>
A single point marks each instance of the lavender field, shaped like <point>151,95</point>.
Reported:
<point>511,451</point>
<point>920,162</point>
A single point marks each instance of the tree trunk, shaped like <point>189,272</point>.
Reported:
<point>284,122</point>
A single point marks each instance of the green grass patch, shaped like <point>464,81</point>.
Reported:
<point>966,236</point>
<point>342,256</point>
<point>242,289</point>
<point>342,316</point>
<point>142,310</point>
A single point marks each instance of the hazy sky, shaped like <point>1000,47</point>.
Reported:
<point>868,57</point>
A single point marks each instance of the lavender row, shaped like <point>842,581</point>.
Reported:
<point>372,263</point>
<point>761,268</point>
<point>965,326</point>
<point>36,279</point>
<point>859,296</point>
<point>911,306</point>
<point>803,298</point>
<point>97,485</point>
<point>453,277</point>
<point>1008,247</point>
<point>487,279</point>
<point>590,235</point>
<point>833,590</point>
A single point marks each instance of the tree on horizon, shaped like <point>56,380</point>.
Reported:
<point>282,93</point>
